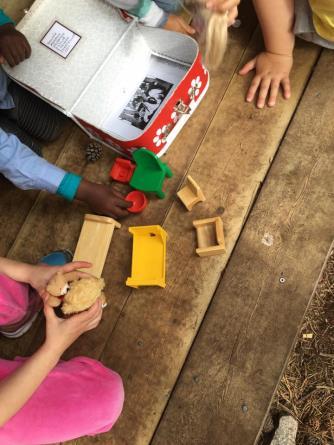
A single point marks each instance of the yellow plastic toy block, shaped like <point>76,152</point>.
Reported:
<point>148,257</point>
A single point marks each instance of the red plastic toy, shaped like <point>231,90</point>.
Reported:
<point>139,201</point>
<point>122,170</point>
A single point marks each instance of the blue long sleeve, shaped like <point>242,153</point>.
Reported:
<point>24,168</point>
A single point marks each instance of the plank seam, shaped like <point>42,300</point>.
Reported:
<point>295,341</point>
<point>235,71</point>
<point>244,223</point>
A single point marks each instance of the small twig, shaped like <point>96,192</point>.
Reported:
<point>324,387</point>
<point>323,354</point>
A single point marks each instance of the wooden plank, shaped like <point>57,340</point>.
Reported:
<point>154,332</point>
<point>58,223</point>
<point>237,358</point>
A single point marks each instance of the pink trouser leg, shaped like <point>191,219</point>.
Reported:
<point>79,397</point>
<point>18,303</point>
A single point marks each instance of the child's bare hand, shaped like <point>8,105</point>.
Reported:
<point>61,333</point>
<point>14,47</point>
<point>103,199</point>
<point>223,6</point>
<point>272,71</point>
<point>177,24</point>
<point>41,274</point>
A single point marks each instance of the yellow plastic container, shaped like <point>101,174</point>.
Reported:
<point>148,257</point>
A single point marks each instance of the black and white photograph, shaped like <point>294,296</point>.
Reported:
<point>145,102</point>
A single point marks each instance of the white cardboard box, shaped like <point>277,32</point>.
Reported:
<point>125,84</point>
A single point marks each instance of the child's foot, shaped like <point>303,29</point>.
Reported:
<point>58,258</point>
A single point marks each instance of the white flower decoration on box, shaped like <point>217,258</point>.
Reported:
<point>195,87</point>
<point>175,117</point>
<point>161,136</point>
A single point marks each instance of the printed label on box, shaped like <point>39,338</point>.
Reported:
<point>60,39</point>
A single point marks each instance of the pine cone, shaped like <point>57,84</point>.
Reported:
<point>93,152</point>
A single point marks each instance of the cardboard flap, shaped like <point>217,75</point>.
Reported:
<point>70,40</point>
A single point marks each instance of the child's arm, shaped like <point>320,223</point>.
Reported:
<point>37,275</point>
<point>272,66</point>
<point>17,388</point>
<point>150,14</point>
<point>26,170</point>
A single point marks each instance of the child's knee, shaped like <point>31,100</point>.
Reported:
<point>113,398</point>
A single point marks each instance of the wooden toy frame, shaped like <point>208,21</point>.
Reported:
<point>210,236</point>
<point>94,242</point>
<point>191,194</point>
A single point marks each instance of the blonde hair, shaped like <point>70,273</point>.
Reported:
<point>215,40</point>
<point>212,31</point>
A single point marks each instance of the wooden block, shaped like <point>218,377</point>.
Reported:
<point>94,241</point>
<point>210,236</point>
<point>191,193</point>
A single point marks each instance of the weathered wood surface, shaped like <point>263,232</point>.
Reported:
<point>154,332</point>
<point>236,360</point>
<point>63,220</point>
<point>146,335</point>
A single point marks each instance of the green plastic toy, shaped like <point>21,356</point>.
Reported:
<point>150,172</point>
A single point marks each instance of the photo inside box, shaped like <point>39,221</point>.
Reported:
<point>137,80</point>
<point>162,77</point>
<point>145,102</point>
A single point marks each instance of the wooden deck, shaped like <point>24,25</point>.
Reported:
<point>201,359</point>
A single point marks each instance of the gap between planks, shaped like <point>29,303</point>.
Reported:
<point>135,348</point>
<point>58,223</point>
<point>226,375</point>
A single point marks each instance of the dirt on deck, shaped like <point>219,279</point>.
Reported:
<point>306,390</point>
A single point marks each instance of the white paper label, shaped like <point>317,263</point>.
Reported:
<point>60,39</point>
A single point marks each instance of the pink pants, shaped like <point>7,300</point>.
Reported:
<point>79,397</point>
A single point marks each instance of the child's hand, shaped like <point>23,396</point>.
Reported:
<point>61,333</point>
<point>14,47</point>
<point>223,6</point>
<point>103,199</point>
<point>41,274</point>
<point>272,70</point>
<point>177,24</point>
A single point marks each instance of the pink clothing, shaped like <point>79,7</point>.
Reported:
<point>79,397</point>
<point>14,300</point>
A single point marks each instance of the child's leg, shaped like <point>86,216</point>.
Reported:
<point>304,27</point>
<point>6,100</point>
<point>79,397</point>
<point>18,304</point>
